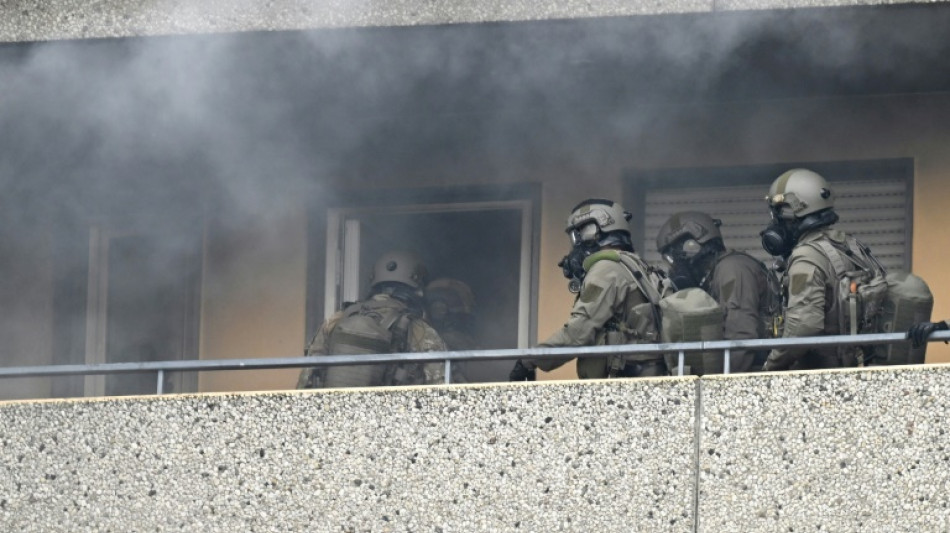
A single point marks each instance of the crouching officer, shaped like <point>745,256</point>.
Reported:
<point>691,243</point>
<point>600,267</point>
<point>450,309</point>
<point>389,320</point>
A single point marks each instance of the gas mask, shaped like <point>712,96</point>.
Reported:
<point>682,256</point>
<point>437,312</point>
<point>572,264</point>
<point>780,237</point>
<point>584,242</point>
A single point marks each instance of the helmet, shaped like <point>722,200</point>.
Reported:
<point>607,217</point>
<point>455,295</point>
<point>691,225</point>
<point>800,201</point>
<point>399,266</point>
<point>799,193</point>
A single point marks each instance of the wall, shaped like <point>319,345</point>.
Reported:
<point>826,451</point>
<point>495,458</point>
<point>812,451</point>
<point>26,297</point>
<point>254,296</point>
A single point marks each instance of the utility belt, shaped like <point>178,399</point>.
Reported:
<point>629,365</point>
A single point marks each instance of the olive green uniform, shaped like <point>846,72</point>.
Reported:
<point>738,282</point>
<point>812,308</point>
<point>420,337</point>
<point>609,291</point>
<point>457,340</point>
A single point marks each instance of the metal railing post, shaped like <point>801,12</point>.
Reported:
<point>448,371</point>
<point>161,383</point>
<point>682,361</point>
<point>726,365</point>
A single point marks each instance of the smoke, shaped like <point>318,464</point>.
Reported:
<point>166,132</point>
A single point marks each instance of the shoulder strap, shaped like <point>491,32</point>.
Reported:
<point>637,269</point>
<point>400,330</point>
<point>858,247</point>
<point>832,253</point>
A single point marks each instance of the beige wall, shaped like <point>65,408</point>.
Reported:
<point>931,221</point>
<point>254,298</point>
<point>255,283</point>
<point>26,298</point>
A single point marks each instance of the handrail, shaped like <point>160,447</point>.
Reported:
<point>162,367</point>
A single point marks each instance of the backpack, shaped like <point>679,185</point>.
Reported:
<point>908,302</point>
<point>684,316</point>
<point>870,300</point>
<point>691,315</point>
<point>368,327</point>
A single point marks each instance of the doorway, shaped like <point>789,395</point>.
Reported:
<point>488,245</point>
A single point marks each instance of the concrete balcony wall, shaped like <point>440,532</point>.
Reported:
<point>572,456</point>
<point>840,451</point>
<point>849,450</point>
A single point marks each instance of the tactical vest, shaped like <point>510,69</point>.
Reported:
<point>685,316</point>
<point>369,327</point>
<point>874,301</point>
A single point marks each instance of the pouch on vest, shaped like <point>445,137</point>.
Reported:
<point>363,329</point>
<point>692,315</point>
<point>908,302</point>
<point>860,291</point>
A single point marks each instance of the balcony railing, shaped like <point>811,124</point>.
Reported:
<point>682,348</point>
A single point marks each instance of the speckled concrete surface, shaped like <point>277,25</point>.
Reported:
<point>843,451</point>
<point>594,456</point>
<point>40,20</point>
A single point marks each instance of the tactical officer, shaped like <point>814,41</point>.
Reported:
<point>450,309</point>
<point>691,243</point>
<point>388,321</point>
<point>601,266</point>
<point>802,207</point>
<point>919,333</point>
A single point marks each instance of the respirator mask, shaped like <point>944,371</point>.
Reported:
<point>780,236</point>
<point>682,257</point>
<point>584,242</point>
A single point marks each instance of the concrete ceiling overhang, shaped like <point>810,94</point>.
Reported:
<point>43,20</point>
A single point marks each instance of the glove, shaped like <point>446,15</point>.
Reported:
<point>522,373</point>
<point>919,333</point>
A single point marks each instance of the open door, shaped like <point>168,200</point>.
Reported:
<point>142,306</point>
<point>488,245</point>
